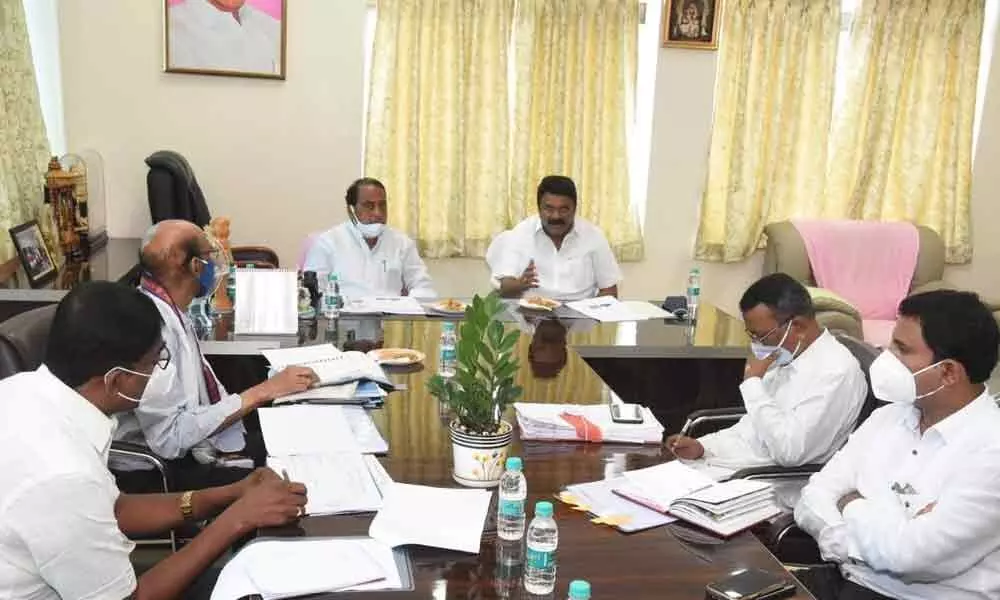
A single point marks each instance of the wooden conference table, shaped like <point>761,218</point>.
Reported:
<point>650,564</point>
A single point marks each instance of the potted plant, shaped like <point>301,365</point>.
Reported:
<point>479,394</point>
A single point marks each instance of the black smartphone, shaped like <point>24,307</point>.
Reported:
<point>626,413</point>
<point>750,584</point>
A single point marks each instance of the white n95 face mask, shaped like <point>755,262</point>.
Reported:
<point>371,230</point>
<point>893,382</point>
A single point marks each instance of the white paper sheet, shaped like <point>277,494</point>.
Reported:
<point>437,517</point>
<point>384,305</point>
<point>608,309</point>
<point>600,498</point>
<point>267,302</point>
<point>662,484</point>
<point>336,483</point>
<point>295,567</point>
<point>306,429</point>
<point>364,430</point>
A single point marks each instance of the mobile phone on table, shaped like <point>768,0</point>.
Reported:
<point>626,413</point>
<point>750,584</point>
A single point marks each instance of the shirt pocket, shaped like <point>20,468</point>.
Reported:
<point>577,272</point>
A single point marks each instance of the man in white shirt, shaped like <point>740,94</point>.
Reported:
<point>185,409</point>
<point>63,522</point>
<point>909,507</point>
<point>556,254</point>
<point>803,390</point>
<point>223,35</point>
<point>370,258</point>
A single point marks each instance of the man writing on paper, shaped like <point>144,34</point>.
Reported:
<point>556,255</point>
<point>803,390</point>
<point>63,521</point>
<point>370,258</point>
<point>909,506</point>
<point>186,415</point>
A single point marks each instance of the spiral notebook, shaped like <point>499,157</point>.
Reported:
<point>266,302</point>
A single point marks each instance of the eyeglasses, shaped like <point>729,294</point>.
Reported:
<point>760,338</point>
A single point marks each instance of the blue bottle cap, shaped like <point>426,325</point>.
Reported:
<point>514,463</point>
<point>543,509</point>
<point>579,590</point>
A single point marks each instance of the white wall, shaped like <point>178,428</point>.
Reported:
<point>276,156</point>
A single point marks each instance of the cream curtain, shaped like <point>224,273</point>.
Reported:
<point>773,105</point>
<point>903,147</point>
<point>438,120</point>
<point>23,145</point>
<point>575,77</point>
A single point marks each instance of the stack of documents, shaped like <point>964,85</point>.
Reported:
<point>367,394</point>
<point>608,309</point>
<point>599,499</point>
<point>274,568</point>
<point>336,483</point>
<point>312,429</point>
<point>268,302</point>
<point>722,508</point>
<point>391,305</point>
<point>591,423</point>
<point>437,517</point>
<point>331,366</point>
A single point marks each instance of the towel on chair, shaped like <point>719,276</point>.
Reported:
<point>870,264</point>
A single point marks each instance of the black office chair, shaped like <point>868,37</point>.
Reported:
<point>23,339</point>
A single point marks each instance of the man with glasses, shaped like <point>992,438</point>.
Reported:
<point>803,390</point>
<point>185,414</point>
<point>63,522</point>
<point>556,255</point>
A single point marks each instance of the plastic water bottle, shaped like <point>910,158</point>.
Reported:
<point>543,538</point>
<point>579,590</point>
<point>448,357</point>
<point>508,571</point>
<point>510,508</point>
<point>693,292</point>
<point>332,300</point>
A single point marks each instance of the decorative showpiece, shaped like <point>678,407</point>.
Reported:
<point>241,38</point>
<point>66,195</point>
<point>479,394</point>
<point>218,231</point>
<point>35,258</point>
<point>692,24</point>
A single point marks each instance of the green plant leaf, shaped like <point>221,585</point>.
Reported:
<point>510,340</point>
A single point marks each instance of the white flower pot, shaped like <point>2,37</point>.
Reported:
<point>479,460</point>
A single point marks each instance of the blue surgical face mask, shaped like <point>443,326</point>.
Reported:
<point>785,356</point>
<point>206,279</point>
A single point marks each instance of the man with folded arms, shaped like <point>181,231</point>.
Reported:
<point>803,389</point>
<point>186,415</point>
<point>63,521</point>
<point>909,508</point>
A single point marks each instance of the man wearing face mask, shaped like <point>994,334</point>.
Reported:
<point>185,414</point>
<point>63,522</point>
<point>909,508</point>
<point>370,258</point>
<point>803,389</point>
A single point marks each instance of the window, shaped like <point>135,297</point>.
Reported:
<point>43,31</point>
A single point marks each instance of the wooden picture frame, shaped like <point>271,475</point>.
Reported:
<point>34,254</point>
<point>692,24</point>
<point>248,41</point>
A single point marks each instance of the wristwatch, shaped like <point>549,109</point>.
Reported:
<point>186,510</point>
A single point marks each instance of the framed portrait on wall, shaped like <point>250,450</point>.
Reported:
<point>35,258</point>
<point>691,24</point>
<point>242,38</point>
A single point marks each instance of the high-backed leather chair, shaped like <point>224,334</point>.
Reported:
<point>173,192</point>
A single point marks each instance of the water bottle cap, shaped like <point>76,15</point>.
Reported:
<point>543,509</point>
<point>331,277</point>
<point>514,463</point>
<point>448,326</point>
<point>579,590</point>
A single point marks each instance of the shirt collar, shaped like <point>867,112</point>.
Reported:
<point>812,354</point>
<point>569,234</point>
<point>78,413</point>
<point>207,13</point>
<point>959,423</point>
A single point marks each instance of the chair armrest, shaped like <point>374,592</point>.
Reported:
<point>778,472</point>
<point>138,451</point>
<point>711,415</point>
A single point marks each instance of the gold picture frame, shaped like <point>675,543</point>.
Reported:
<point>692,24</point>
<point>193,44</point>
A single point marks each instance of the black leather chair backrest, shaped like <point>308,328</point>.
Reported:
<point>23,339</point>
<point>173,191</point>
<point>865,354</point>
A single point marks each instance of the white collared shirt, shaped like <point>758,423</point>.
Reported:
<point>175,414</point>
<point>59,536</point>
<point>204,37</point>
<point>385,270</point>
<point>797,414</point>
<point>882,542</point>
<point>584,264</point>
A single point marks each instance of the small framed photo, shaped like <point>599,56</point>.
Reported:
<point>240,38</point>
<point>34,255</point>
<point>691,24</point>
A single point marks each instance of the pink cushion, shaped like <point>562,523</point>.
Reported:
<point>878,332</point>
